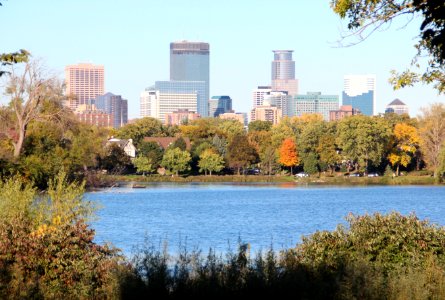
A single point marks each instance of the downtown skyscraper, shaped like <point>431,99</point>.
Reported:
<point>283,73</point>
<point>359,92</point>
<point>84,82</point>
<point>189,61</point>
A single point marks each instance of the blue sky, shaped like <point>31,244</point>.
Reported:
<point>131,39</point>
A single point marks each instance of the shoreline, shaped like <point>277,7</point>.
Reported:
<point>139,181</point>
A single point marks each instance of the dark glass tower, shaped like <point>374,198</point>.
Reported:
<point>189,61</point>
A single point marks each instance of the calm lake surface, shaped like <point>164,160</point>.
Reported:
<point>217,215</point>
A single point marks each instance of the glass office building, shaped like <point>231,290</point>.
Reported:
<point>314,103</point>
<point>219,105</point>
<point>359,92</point>
<point>114,105</point>
<point>189,61</point>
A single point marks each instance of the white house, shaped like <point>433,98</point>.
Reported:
<point>126,145</point>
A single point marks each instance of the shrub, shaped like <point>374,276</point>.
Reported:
<point>46,248</point>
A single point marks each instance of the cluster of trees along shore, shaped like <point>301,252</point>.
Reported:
<point>47,249</point>
<point>39,136</point>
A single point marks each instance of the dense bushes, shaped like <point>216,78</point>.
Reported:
<point>376,257</point>
<point>46,248</point>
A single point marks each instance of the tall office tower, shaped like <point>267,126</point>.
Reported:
<point>359,92</point>
<point>189,61</point>
<point>115,105</point>
<point>84,81</point>
<point>283,72</point>
<point>219,105</point>
<point>258,95</point>
<point>397,107</point>
<point>314,103</point>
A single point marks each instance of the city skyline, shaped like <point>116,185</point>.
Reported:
<point>135,52</point>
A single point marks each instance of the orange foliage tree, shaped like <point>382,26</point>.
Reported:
<point>288,154</point>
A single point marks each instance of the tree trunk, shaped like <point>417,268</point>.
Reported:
<point>239,171</point>
<point>177,173</point>
<point>19,144</point>
<point>291,171</point>
<point>397,170</point>
<point>210,172</point>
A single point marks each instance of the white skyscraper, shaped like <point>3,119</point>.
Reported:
<point>258,95</point>
<point>360,92</point>
<point>156,104</point>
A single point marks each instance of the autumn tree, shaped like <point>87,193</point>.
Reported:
<point>240,154</point>
<point>175,160</point>
<point>406,142</point>
<point>210,161</point>
<point>28,90</point>
<point>288,155</point>
<point>432,134</point>
<point>365,17</point>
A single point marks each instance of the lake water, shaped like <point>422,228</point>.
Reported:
<point>217,215</point>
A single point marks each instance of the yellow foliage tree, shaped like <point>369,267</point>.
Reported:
<point>288,154</point>
<point>406,143</point>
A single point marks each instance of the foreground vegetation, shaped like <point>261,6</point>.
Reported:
<point>47,251</point>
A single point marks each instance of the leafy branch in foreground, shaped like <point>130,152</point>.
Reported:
<point>365,17</point>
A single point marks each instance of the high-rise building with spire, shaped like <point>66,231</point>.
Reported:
<point>283,72</point>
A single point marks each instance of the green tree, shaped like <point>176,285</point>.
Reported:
<point>432,134</point>
<point>8,59</point>
<point>269,158</point>
<point>365,17</point>
<point>210,161</point>
<point>175,160</point>
<point>328,152</point>
<point>310,163</point>
<point>259,125</point>
<point>151,150</point>
<point>143,164</point>
<point>145,127</point>
<point>230,128</point>
<point>220,144</point>
<point>364,140</point>
<point>179,143</point>
<point>116,161</point>
<point>240,154</point>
